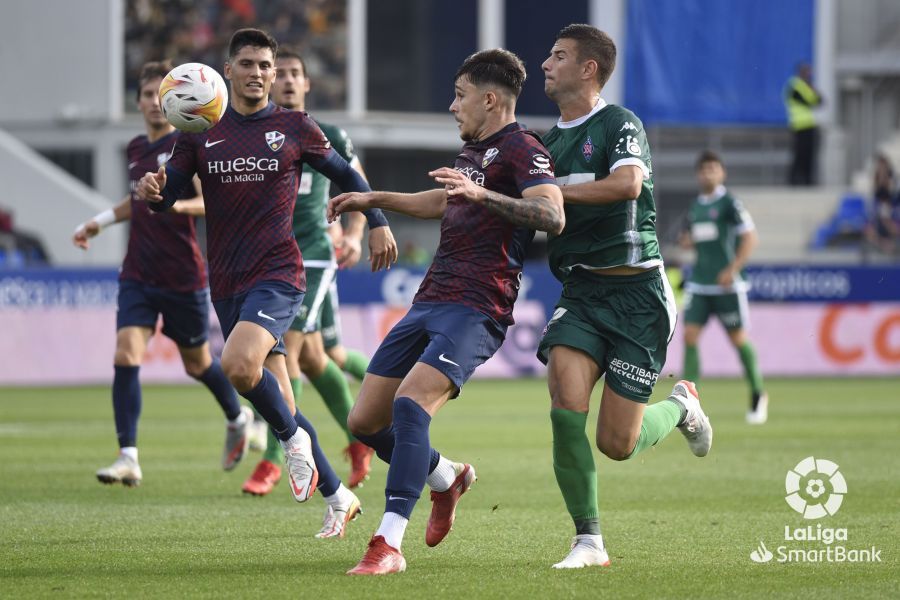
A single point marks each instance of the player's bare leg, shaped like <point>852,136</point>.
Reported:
<point>417,399</point>
<point>571,377</point>
<point>246,350</point>
<point>267,473</point>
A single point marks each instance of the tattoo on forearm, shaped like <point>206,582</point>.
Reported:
<point>533,213</point>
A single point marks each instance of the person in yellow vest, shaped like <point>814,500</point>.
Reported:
<point>800,98</point>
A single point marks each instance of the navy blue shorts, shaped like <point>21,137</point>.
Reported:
<point>452,338</point>
<point>185,314</point>
<point>270,304</point>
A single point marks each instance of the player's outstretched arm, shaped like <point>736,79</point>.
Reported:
<point>622,184</point>
<point>93,227</point>
<point>540,207</point>
<point>422,205</point>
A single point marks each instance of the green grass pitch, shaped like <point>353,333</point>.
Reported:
<point>675,525</point>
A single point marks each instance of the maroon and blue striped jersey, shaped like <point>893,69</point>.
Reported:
<point>478,262</point>
<point>249,167</point>
<point>162,247</point>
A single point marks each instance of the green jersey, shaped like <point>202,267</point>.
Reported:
<point>608,235</point>
<point>310,223</point>
<point>716,223</point>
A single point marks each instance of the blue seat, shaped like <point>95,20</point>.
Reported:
<point>846,225</point>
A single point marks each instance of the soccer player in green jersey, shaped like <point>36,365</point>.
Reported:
<point>723,235</point>
<point>305,348</point>
<point>616,314</point>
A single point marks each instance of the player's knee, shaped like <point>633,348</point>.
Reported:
<point>242,374</point>
<point>126,357</point>
<point>195,368</point>
<point>616,447</point>
<point>313,365</point>
<point>358,425</point>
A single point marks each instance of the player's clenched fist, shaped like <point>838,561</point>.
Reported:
<point>150,186</point>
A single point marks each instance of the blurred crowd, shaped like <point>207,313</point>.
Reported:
<point>199,30</point>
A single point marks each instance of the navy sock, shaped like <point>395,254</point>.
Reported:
<point>411,458</point>
<point>126,397</point>
<point>215,379</point>
<point>267,399</point>
<point>328,479</point>
<point>383,444</point>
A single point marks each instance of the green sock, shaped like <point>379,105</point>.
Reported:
<point>659,421</point>
<point>576,474</point>
<point>332,386</point>
<point>691,364</point>
<point>751,368</point>
<point>297,387</point>
<point>274,452</point>
<point>356,364</point>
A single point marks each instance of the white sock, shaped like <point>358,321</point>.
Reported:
<point>130,452</point>
<point>443,475</point>
<point>596,540</point>
<point>241,419</point>
<point>341,497</point>
<point>392,527</point>
<point>295,440</point>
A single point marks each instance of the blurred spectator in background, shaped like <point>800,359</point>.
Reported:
<point>883,228</point>
<point>199,30</point>
<point>800,98</point>
<point>19,249</point>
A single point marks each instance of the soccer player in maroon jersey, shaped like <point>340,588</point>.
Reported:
<point>163,274</point>
<point>249,166</point>
<point>461,312</point>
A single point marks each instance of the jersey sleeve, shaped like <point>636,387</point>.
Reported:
<point>184,156</point>
<point>740,218</point>
<point>529,162</point>
<point>314,144</point>
<point>626,144</point>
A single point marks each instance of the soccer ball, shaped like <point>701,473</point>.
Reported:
<point>193,96</point>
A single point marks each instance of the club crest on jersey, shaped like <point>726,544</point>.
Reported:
<point>587,148</point>
<point>275,140</point>
<point>489,157</point>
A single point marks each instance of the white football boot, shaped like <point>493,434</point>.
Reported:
<point>587,551</point>
<point>695,427</point>
<point>125,470</point>
<point>337,517</point>
<point>761,414</point>
<point>301,466</point>
<point>237,439</point>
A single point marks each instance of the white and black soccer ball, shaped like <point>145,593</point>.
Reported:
<point>193,97</point>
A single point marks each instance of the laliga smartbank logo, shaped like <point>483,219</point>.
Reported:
<point>815,488</point>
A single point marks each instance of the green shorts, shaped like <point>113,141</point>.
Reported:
<point>318,284</point>
<point>331,318</point>
<point>623,322</point>
<point>731,309</point>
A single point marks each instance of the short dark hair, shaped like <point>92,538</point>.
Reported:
<point>157,69</point>
<point>708,156</point>
<point>286,52</point>
<point>251,37</point>
<point>592,44</point>
<point>495,67</point>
